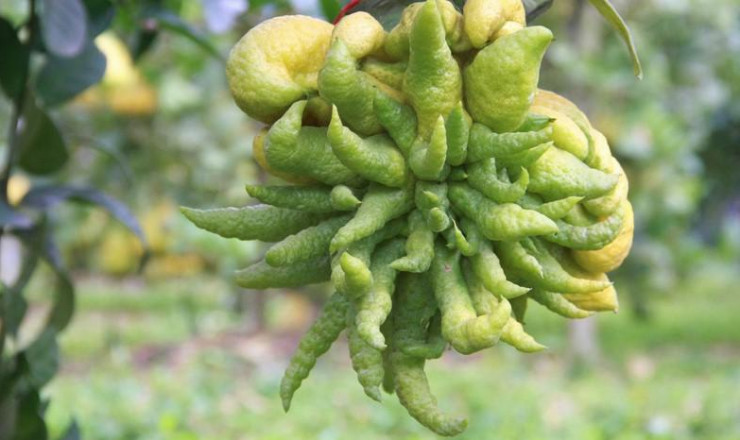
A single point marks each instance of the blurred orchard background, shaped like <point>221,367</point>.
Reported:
<point>139,110</point>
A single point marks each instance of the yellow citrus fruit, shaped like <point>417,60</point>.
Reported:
<point>18,186</point>
<point>120,252</point>
<point>119,68</point>
<point>123,89</point>
<point>138,99</point>
<point>612,255</point>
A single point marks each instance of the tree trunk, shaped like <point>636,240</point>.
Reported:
<point>584,342</point>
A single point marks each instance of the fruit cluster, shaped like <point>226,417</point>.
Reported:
<point>435,186</point>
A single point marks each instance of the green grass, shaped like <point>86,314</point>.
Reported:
<point>132,315</point>
<point>674,377</point>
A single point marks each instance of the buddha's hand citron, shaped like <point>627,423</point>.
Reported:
<point>434,186</point>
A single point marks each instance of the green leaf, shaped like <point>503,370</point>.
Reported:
<point>535,8</point>
<point>64,27</point>
<point>387,13</point>
<point>40,242</point>
<point>7,414</point>
<point>14,305</point>
<point>29,421</point>
<point>64,301</point>
<point>46,197</point>
<point>42,148</point>
<point>100,14</point>
<point>615,20</point>
<point>12,372</point>
<point>61,79</point>
<point>166,19</point>
<point>15,60</point>
<point>42,356</point>
<point>143,41</point>
<point>330,8</point>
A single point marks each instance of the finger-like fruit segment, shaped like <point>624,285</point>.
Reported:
<point>506,73</point>
<point>613,254</point>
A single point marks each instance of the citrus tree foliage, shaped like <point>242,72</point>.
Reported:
<point>50,56</point>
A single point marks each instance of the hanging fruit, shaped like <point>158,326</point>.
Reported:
<point>439,188</point>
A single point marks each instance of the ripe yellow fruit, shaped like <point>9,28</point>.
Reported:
<point>123,88</point>
<point>600,301</point>
<point>157,226</point>
<point>18,186</point>
<point>612,255</point>
<point>120,252</point>
<point>138,99</point>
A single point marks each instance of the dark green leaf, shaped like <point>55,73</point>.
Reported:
<point>330,8</point>
<point>12,372</point>
<point>29,424</point>
<point>100,15</point>
<point>64,27</point>
<point>388,13</point>
<point>47,196</point>
<point>14,60</point>
<point>535,8</point>
<point>15,307</point>
<point>166,19</point>
<point>220,15</point>
<point>3,333</point>
<point>7,413</point>
<point>611,15</point>
<point>41,243</point>
<point>14,304</point>
<point>11,218</point>
<point>64,301</point>
<point>43,358</point>
<point>72,433</point>
<point>61,79</point>
<point>143,41</point>
<point>42,148</point>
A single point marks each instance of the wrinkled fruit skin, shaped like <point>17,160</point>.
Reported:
<point>435,187</point>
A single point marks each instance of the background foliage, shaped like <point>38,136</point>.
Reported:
<point>129,111</point>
